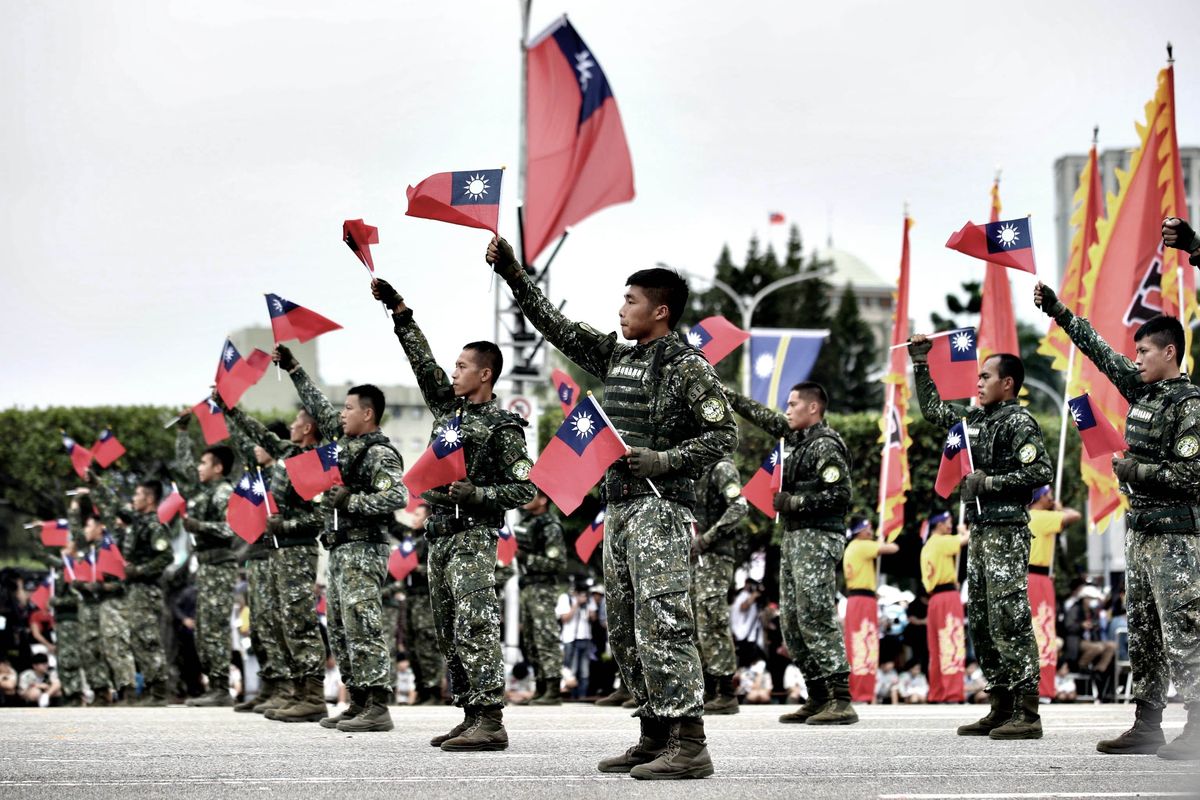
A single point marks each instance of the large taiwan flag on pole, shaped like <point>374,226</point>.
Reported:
<point>577,159</point>
<point>997,320</point>
<point>894,477</point>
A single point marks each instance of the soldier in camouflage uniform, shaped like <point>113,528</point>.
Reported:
<point>294,679</point>
<point>1010,462</point>
<point>421,641</point>
<point>720,508</point>
<point>206,485</point>
<point>68,632</point>
<point>1160,475</point>
<point>665,400</point>
<point>466,516</point>
<point>813,505</point>
<point>357,517</point>
<point>146,547</point>
<point>542,557</point>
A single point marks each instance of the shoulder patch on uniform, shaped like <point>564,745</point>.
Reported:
<point>583,326</point>
<point>551,552</point>
<point>733,490</point>
<point>382,482</point>
<point>161,544</point>
<point>1028,453</point>
<point>831,474</point>
<point>521,469</point>
<point>712,409</point>
<point>1187,446</point>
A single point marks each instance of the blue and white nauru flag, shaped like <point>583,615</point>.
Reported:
<point>779,359</point>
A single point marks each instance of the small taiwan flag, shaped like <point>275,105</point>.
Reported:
<point>42,594</point>
<point>55,533</point>
<point>80,456</point>
<point>760,490</point>
<point>470,198</point>
<point>956,461</point>
<point>566,389</point>
<point>359,236</point>
<point>109,560</point>
<point>249,506</point>
<point>575,458</point>
<point>775,218</point>
<point>1005,242</point>
<point>403,559</point>
<point>70,569</point>
<point>506,546</point>
<point>290,321</point>
<point>954,364</point>
<point>236,374</point>
<point>586,544</point>
<point>314,471</point>
<point>716,337</point>
<point>171,506</point>
<point>442,462</point>
<point>107,449</point>
<point>1098,434</point>
<point>212,421</point>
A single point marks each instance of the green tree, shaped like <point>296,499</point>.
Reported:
<point>847,359</point>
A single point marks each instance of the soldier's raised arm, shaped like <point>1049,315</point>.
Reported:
<point>253,429</point>
<point>770,420</point>
<point>184,467</point>
<point>435,386</point>
<point>329,422</point>
<point>1117,367</point>
<point>936,410</point>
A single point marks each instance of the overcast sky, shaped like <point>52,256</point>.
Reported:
<point>162,164</point>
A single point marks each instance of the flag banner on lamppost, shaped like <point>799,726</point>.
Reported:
<point>779,359</point>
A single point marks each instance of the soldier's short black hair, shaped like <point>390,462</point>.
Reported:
<point>153,487</point>
<point>489,356</point>
<point>223,455</point>
<point>280,429</point>
<point>371,395</point>
<point>1163,330</point>
<point>813,392</point>
<point>1010,366</point>
<point>664,287</point>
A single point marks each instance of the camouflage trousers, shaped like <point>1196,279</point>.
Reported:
<point>144,610</point>
<point>264,613</point>
<point>466,613</point>
<point>421,640</point>
<point>391,624</point>
<point>647,542</point>
<point>1162,594</point>
<point>998,611</point>
<point>712,575</point>
<point>357,571</point>
<point>808,613</point>
<point>68,654</point>
<point>296,629</point>
<point>115,644</point>
<point>540,630</point>
<point>91,648</point>
<point>214,604</point>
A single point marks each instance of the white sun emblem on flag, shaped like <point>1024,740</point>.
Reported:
<point>450,436</point>
<point>583,425</point>
<point>774,459</point>
<point>476,187</point>
<point>693,339</point>
<point>583,65</point>
<point>213,408</point>
<point>764,365</point>
<point>954,441</point>
<point>259,488</point>
<point>244,484</point>
<point>1076,414</point>
<point>230,353</point>
<point>278,305</point>
<point>962,341</point>
<point>1007,235</point>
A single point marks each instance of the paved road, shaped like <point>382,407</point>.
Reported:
<point>892,752</point>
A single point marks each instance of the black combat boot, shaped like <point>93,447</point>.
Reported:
<point>309,704</point>
<point>656,734</point>
<point>375,717</point>
<point>1025,723</point>
<point>617,698</point>
<point>469,715</point>
<point>430,696</point>
<point>1144,738</point>
<point>710,687</point>
<point>1186,746</point>
<point>358,701</point>
<point>216,696</point>
<point>154,695</point>
<point>725,701</point>
<point>487,733</point>
<point>839,710</point>
<point>818,697</point>
<point>685,756</point>
<point>552,696</point>
<point>539,689</point>
<point>265,692</point>
<point>285,695</point>
<point>1002,711</point>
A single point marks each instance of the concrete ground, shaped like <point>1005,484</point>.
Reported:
<point>892,752</point>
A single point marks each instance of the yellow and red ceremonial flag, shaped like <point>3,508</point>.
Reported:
<point>997,320</point>
<point>894,478</point>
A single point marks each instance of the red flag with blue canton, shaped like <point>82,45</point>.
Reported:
<point>212,421</point>
<point>290,321</point>
<point>470,198</point>
<point>80,456</point>
<point>1098,434</point>
<point>955,464</point>
<point>359,236</point>
<point>172,505</point>
<point>314,471</point>
<point>591,537</point>
<point>716,337</point>
<point>442,462</point>
<point>575,458</point>
<point>954,364</point>
<point>506,546</point>
<point>249,506</point>
<point>236,374</point>
<point>107,449</point>
<point>403,559</point>
<point>566,389</point>
<point>42,594</point>
<point>576,154</point>
<point>109,559</point>
<point>760,490</point>
<point>70,569</point>
<point>55,533</point>
<point>1007,242</point>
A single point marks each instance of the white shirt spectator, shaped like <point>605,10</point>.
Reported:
<point>579,626</point>
<point>745,625</point>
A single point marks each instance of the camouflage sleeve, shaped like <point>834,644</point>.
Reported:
<point>696,381</point>
<point>329,423</point>
<point>218,530</point>
<point>160,543</point>
<point>242,442</point>
<point>935,410</point>
<point>1116,367</point>
<point>736,507</point>
<point>553,558</point>
<point>578,341</point>
<point>512,488</point>
<point>435,386</point>
<point>109,504</point>
<point>388,492</point>
<point>768,419</point>
<point>1182,469</point>
<point>253,429</point>
<point>75,525</point>
<point>831,489</point>
<point>185,463</point>
<point>1035,468</point>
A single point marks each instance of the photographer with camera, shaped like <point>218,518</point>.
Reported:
<point>577,611</point>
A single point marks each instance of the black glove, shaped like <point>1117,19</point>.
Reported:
<point>1050,302</point>
<point>284,358</point>
<point>465,493</point>
<point>1129,470</point>
<point>191,525</point>
<point>338,497</point>
<point>382,291</point>
<point>976,484</point>
<point>500,255</point>
<point>646,463</point>
<point>1180,236</point>
<point>783,501</point>
<point>919,351</point>
<point>275,525</point>
<point>185,419</point>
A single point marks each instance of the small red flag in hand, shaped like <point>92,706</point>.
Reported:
<point>470,198</point>
<point>956,463</point>
<point>236,374</point>
<point>171,506</point>
<point>1007,242</point>
<point>107,449</point>
<point>760,490</point>
<point>403,559</point>
<point>249,506</point>
<point>442,462</point>
<point>42,594</point>
<point>212,421</point>
<point>290,321</point>
<point>586,544</point>
<point>716,337</point>
<point>1098,434</point>
<point>575,459</point>
<point>109,560</point>
<point>55,533</point>
<point>81,457</point>
<point>314,471</point>
<point>359,236</point>
<point>566,389</point>
<point>954,364</point>
<point>506,546</point>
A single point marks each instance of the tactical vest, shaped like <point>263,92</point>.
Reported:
<point>632,402</point>
<point>818,520</point>
<point>477,427</point>
<point>996,456</point>
<point>351,460</point>
<point>138,545</point>
<point>1149,435</point>
<point>209,549</point>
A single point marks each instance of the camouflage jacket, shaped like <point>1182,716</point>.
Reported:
<point>494,442</point>
<point>720,507</point>
<point>371,468</point>
<point>688,414</point>
<point>146,544</point>
<point>206,504</point>
<point>1006,444</point>
<point>541,551</point>
<point>91,591</point>
<point>816,468</point>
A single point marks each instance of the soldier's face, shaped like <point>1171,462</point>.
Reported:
<point>209,468</point>
<point>143,500</point>
<point>991,387</point>
<point>302,430</point>
<point>419,516</point>
<point>93,529</point>
<point>469,375</point>
<point>356,416</point>
<point>801,412</point>
<point>639,314</point>
<point>1155,363</point>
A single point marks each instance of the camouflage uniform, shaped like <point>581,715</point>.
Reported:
<point>1006,444</point>
<point>216,574</point>
<point>816,472</point>
<point>358,547</point>
<point>662,395</point>
<point>542,557</point>
<point>68,630</point>
<point>106,633</point>
<point>719,508</point>
<point>420,637</point>
<point>1162,549</point>
<point>462,549</point>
